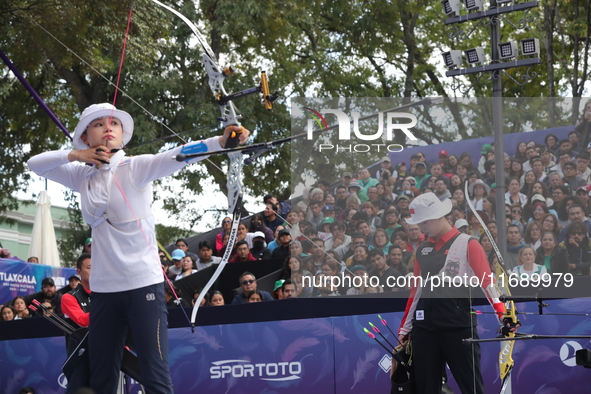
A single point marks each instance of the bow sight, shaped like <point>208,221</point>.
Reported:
<point>263,88</point>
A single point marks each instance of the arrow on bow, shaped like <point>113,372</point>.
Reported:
<point>262,147</point>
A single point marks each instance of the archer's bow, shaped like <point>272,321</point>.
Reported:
<point>506,362</point>
<point>228,117</point>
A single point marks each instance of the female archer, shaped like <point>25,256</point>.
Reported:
<point>439,316</point>
<point>127,279</point>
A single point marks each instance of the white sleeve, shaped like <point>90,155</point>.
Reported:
<point>55,166</point>
<point>406,326</point>
<point>148,168</point>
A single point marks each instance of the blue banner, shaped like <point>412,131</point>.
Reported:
<point>18,278</point>
<point>473,146</point>
<point>323,355</point>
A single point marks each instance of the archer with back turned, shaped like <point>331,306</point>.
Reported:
<point>438,313</point>
<point>127,279</point>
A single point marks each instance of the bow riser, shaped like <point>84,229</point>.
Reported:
<point>234,183</point>
<point>216,79</point>
<point>506,361</point>
<point>506,358</point>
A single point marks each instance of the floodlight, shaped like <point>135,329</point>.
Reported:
<point>452,59</point>
<point>474,55</point>
<point>472,5</point>
<point>508,50</point>
<point>451,7</point>
<point>530,47</point>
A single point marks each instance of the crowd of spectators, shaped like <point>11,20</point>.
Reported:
<point>49,297</point>
<point>356,226</point>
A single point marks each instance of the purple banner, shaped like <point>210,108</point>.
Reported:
<point>18,278</point>
<point>324,355</point>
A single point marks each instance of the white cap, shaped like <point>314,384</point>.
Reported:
<point>427,206</point>
<point>461,223</point>
<point>98,111</point>
<point>258,234</point>
<point>538,197</point>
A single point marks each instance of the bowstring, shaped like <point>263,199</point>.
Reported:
<point>125,40</point>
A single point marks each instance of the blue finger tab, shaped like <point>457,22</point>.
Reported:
<point>194,148</point>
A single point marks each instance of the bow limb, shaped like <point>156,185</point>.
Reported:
<point>235,194</point>
<point>229,115</point>
<point>225,258</point>
<point>506,361</point>
<point>216,77</point>
<point>192,26</point>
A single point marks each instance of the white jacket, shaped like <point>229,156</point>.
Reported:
<point>116,201</point>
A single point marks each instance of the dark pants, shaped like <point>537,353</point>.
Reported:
<point>141,312</point>
<point>432,349</point>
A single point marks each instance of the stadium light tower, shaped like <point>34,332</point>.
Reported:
<point>503,56</point>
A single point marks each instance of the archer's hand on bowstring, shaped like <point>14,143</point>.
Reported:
<point>234,131</point>
<point>98,155</point>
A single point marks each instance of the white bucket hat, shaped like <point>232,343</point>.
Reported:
<point>97,111</point>
<point>478,182</point>
<point>427,207</point>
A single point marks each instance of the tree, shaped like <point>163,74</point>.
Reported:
<point>70,52</point>
<point>160,70</point>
